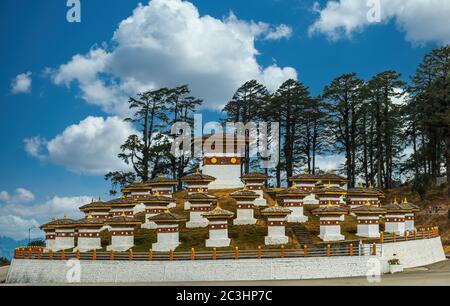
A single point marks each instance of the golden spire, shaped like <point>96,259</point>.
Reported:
<point>329,203</point>
<point>89,216</point>
<point>395,201</point>
<point>405,200</point>
<point>156,193</point>
<point>65,216</point>
<point>197,171</point>
<point>167,211</point>
<point>218,205</point>
<point>254,169</point>
<point>367,203</point>
<point>123,214</point>
<point>276,203</point>
<point>371,186</point>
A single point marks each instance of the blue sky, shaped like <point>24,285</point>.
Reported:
<point>37,40</point>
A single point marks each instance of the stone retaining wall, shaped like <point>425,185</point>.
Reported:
<point>410,253</point>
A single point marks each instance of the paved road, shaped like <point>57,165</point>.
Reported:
<point>3,273</point>
<point>432,275</point>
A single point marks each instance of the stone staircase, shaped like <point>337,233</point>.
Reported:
<point>301,233</point>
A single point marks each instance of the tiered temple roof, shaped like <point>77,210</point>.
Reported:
<point>96,205</point>
<point>218,213</point>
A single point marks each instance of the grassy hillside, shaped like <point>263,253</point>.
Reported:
<point>435,197</point>
<point>252,236</point>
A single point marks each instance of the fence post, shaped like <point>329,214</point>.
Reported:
<point>381,237</point>
<point>394,237</point>
<point>149,254</point>
<point>305,250</point>
<point>428,233</point>
<point>328,250</point>
<point>94,254</point>
<point>351,249</point>
<point>63,254</point>
<point>374,249</point>
<point>77,254</point>
<point>259,251</point>
<point>192,254</point>
<point>236,253</point>
<point>130,254</point>
<point>415,234</point>
<point>282,251</point>
<point>406,235</point>
<point>437,231</point>
<point>423,233</point>
<point>214,254</point>
<point>50,254</point>
<point>40,253</point>
<point>30,253</point>
<point>171,255</point>
<point>111,255</point>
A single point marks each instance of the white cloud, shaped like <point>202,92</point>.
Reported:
<point>402,97</point>
<point>329,162</point>
<point>21,195</point>
<point>17,218</point>
<point>281,31</point>
<point>21,83</point>
<point>34,146</point>
<point>16,227</point>
<point>168,43</point>
<point>89,147</point>
<point>422,21</point>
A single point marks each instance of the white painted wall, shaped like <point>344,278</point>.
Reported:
<point>411,254</point>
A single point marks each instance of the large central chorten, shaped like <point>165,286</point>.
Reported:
<point>222,155</point>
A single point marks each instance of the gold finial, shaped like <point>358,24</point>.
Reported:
<point>123,196</point>
<point>245,187</point>
<point>218,205</point>
<point>395,201</point>
<point>123,214</point>
<point>65,216</point>
<point>89,216</point>
<point>367,203</point>
<point>254,169</point>
<point>329,203</point>
<point>197,171</point>
<point>405,200</point>
<point>306,171</point>
<point>167,211</point>
<point>156,193</point>
<point>276,203</point>
<point>371,186</point>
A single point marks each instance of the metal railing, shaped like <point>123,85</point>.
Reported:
<point>324,250</point>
